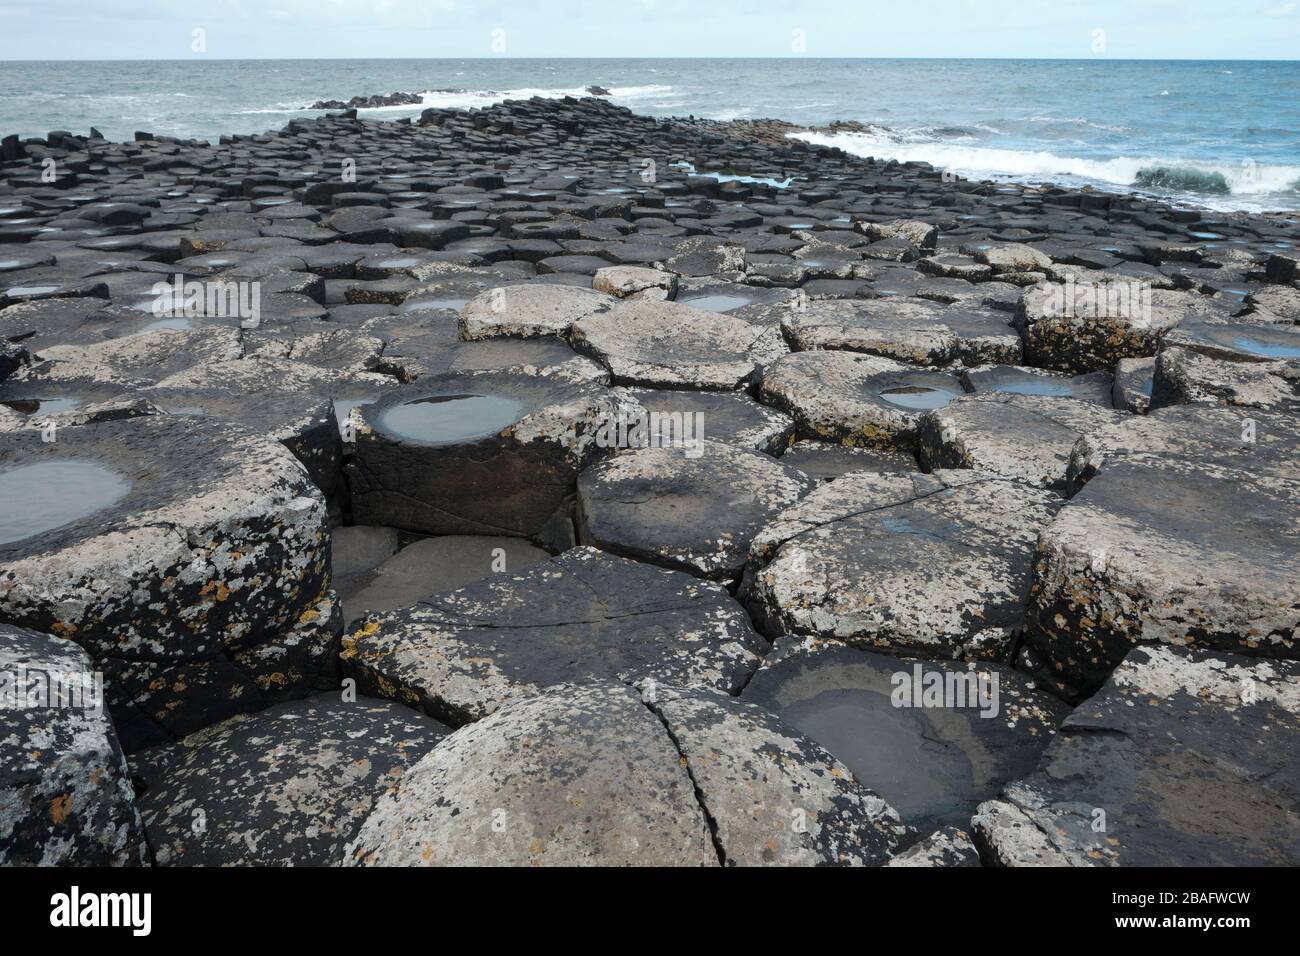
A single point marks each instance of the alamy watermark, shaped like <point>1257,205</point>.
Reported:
<point>1119,299</point>
<point>640,428</point>
<point>226,299</point>
<point>37,688</point>
<point>952,689</point>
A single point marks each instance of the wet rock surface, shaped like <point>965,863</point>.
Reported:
<point>583,616</point>
<point>445,341</point>
<point>1183,758</point>
<point>694,510</point>
<point>934,738</point>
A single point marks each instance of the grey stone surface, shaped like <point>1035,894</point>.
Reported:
<point>431,566</point>
<point>916,331</point>
<point>581,617</point>
<point>216,542</point>
<point>600,775</point>
<point>857,400</point>
<point>950,846</point>
<point>668,345</point>
<point>289,786</point>
<point>928,565</point>
<point>691,512</point>
<point>1028,438</point>
<point>527,311</point>
<point>1183,758</point>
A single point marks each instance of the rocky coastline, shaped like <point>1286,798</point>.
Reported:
<point>550,484</point>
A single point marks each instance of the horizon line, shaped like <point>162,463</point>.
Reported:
<point>198,58</point>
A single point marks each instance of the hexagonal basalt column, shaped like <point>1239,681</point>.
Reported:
<point>475,453</point>
<point>161,542</point>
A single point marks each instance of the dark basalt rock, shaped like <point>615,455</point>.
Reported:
<point>1089,326</point>
<point>369,102</point>
<point>302,422</point>
<point>732,418</point>
<point>934,738</point>
<point>159,541</point>
<point>474,453</point>
<point>925,565</point>
<point>1183,758</point>
<point>581,617</point>
<point>429,566</point>
<point>596,775</point>
<point>694,508</point>
<point>65,796</point>
<point>289,786</point>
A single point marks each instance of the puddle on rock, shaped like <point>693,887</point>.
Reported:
<point>417,305</point>
<point>51,494</point>
<point>43,406</point>
<point>716,303</point>
<point>440,419</point>
<point>167,325</point>
<point>917,396</point>
<point>1270,349</point>
<point>1027,387</point>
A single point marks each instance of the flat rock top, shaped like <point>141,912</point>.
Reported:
<point>529,310</point>
<point>664,343</point>
<point>583,616</point>
<point>586,776</point>
<point>693,509</point>
<point>1190,757</point>
<point>288,786</point>
<point>933,565</point>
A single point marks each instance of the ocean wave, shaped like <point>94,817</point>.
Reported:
<point>1243,179</point>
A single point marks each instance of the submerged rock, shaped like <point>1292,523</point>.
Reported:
<point>934,738</point>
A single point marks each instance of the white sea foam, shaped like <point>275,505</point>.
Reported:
<point>1243,179</point>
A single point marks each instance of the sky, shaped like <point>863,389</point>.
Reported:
<point>250,29</point>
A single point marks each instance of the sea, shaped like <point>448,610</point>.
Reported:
<point>1223,135</point>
